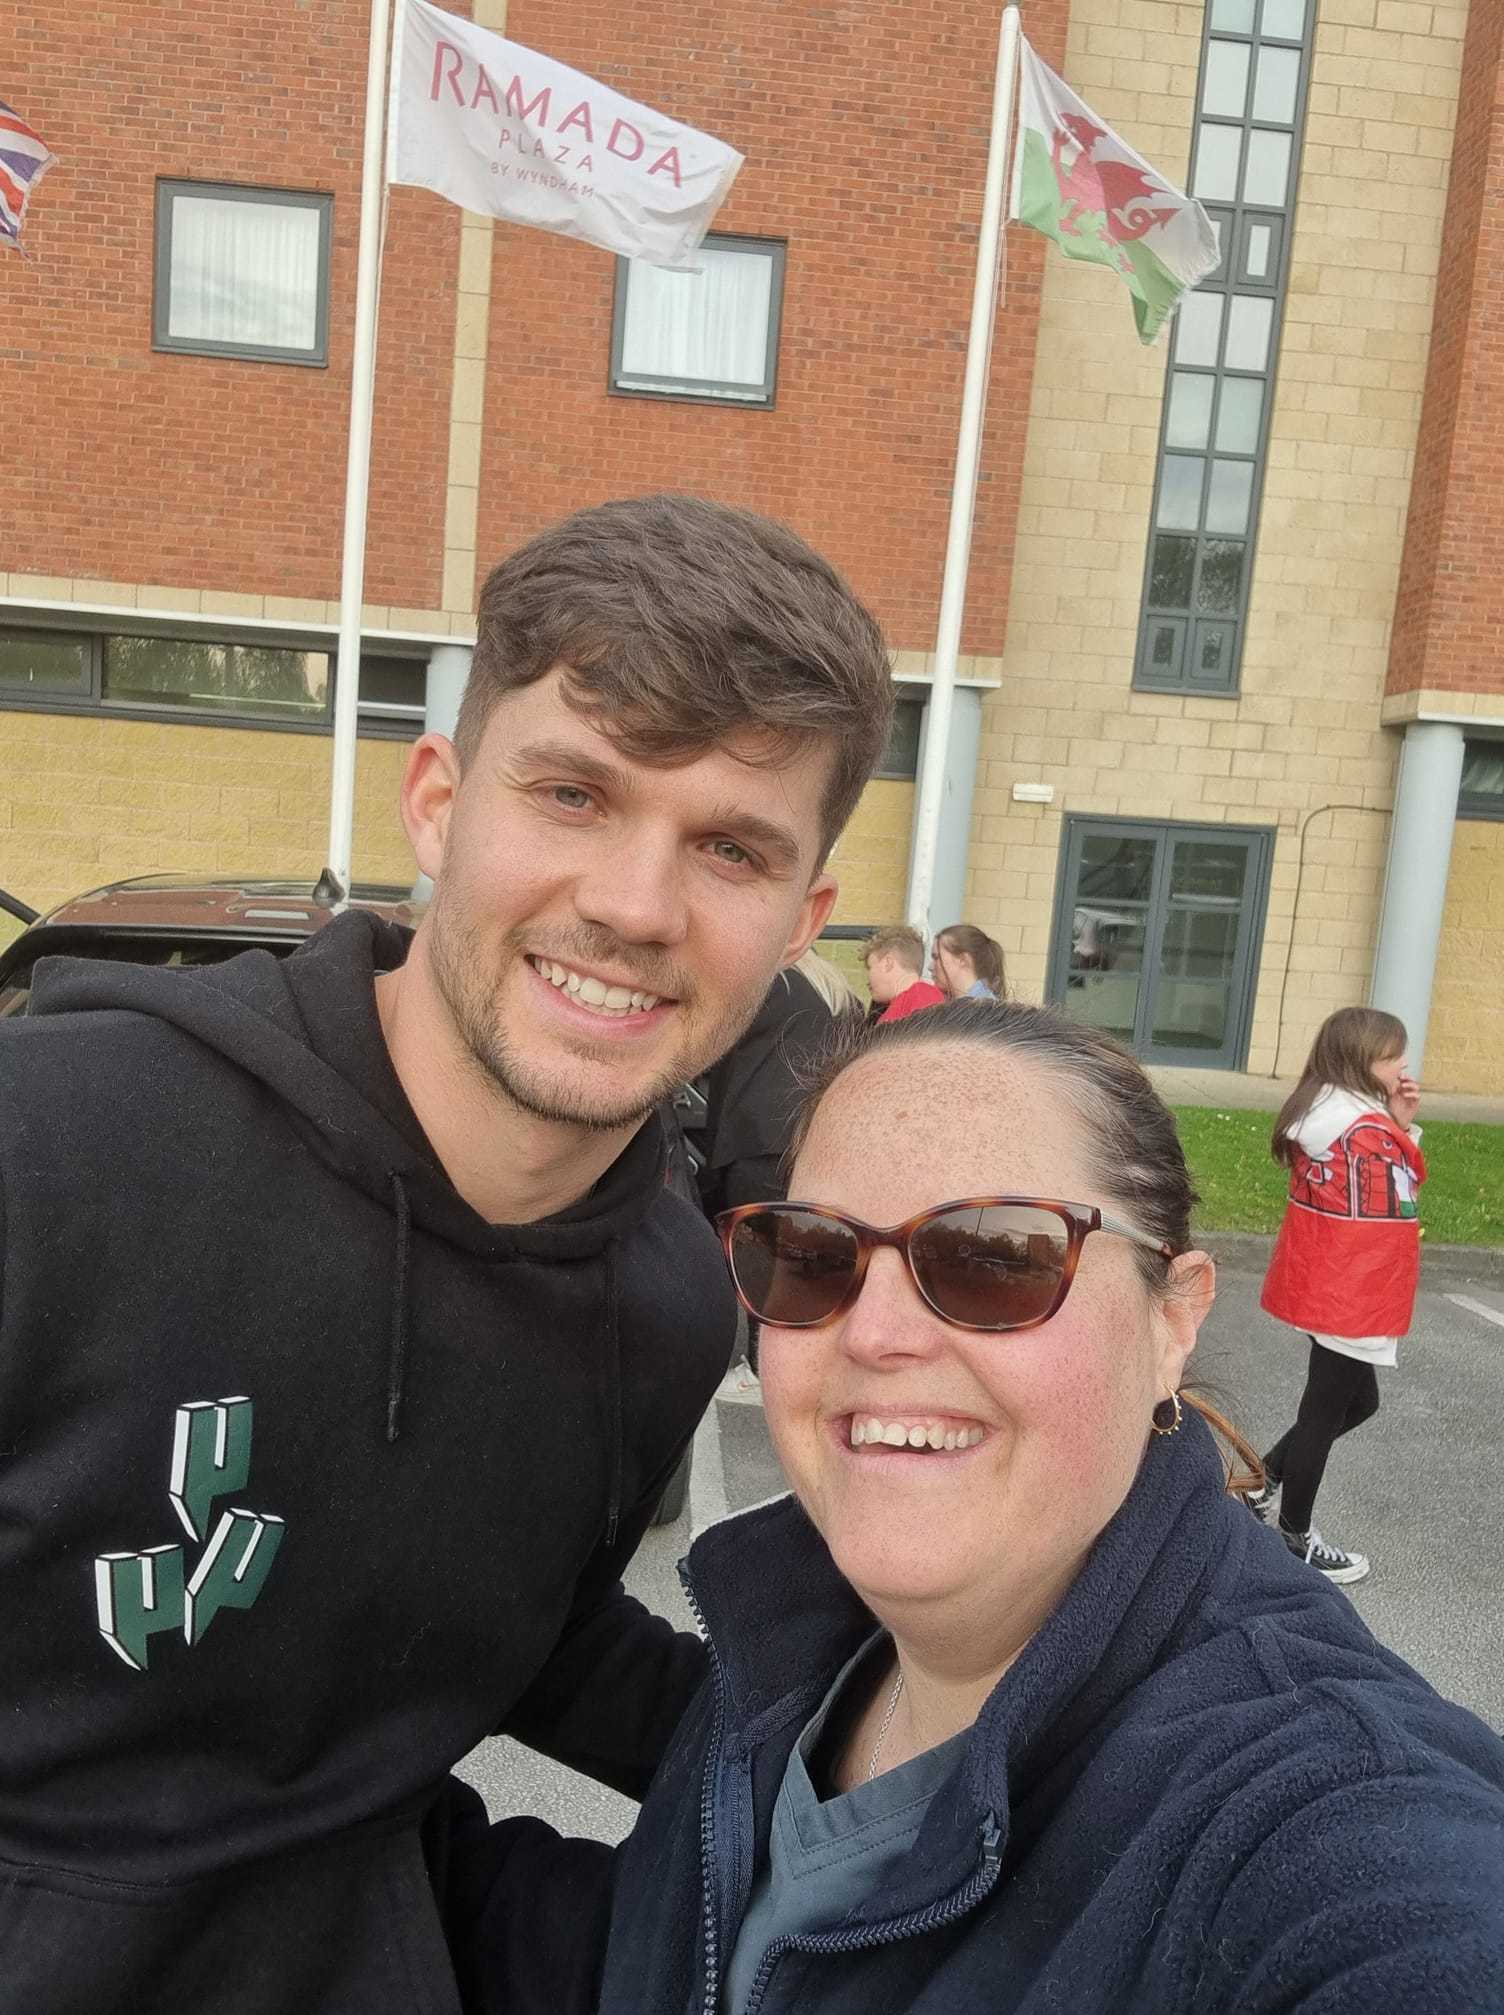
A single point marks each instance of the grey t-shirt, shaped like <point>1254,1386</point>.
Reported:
<point>826,1857</point>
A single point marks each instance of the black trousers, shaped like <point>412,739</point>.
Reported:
<point>1341,1393</point>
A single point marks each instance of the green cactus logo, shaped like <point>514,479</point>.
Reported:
<point>140,1594</point>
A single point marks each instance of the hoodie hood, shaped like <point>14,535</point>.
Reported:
<point>305,1026</point>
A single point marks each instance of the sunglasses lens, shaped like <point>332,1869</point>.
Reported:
<point>793,1266</point>
<point>996,1267</point>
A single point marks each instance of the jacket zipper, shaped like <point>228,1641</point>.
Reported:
<point>934,1917</point>
<point>707,1803</point>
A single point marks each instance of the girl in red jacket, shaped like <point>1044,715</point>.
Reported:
<point>1347,1258</point>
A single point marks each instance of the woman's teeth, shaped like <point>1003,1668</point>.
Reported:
<point>594,993</point>
<point>867,1431</point>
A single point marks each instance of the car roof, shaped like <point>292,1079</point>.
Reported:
<point>221,906</point>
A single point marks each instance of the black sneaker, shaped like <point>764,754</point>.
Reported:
<point>1261,1501</point>
<point>1328,1560</point>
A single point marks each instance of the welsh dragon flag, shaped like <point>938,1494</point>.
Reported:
<point>1078,183</point>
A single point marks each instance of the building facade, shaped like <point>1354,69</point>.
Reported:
<point>1229,748</point>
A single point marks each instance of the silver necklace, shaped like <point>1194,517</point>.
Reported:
<point>882,1733</point>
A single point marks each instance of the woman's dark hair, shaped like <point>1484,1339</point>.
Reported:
<point>985,953</point>
<point>1348,1045</point>
<point>1137,1159</point>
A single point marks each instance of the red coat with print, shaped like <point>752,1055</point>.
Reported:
<point>1347,1259</point>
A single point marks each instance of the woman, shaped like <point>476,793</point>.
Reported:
<point>1013,1706</point>
<point>966,964</point>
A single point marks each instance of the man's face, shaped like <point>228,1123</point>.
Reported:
<point>886,978</point>
<point>603,928</point>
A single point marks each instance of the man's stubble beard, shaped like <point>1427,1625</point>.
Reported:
<point>471,995</point>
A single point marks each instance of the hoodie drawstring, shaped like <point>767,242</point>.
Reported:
<point>613,1394</point>
<point>396,1366</point>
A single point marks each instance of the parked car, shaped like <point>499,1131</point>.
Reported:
<point>186,920</point>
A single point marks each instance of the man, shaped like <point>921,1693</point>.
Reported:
<point>348,1334</point>
<point>895,965</point>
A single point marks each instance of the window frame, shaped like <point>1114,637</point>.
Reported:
<point>1236,218</point>
<point>169,188</point>
<point>1481,804</point>
<point>907,695</point>
<point>716,392</point>
<point>378,721</point>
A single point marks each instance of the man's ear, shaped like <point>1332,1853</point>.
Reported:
<point>813,916</point>
<point>430,783</point>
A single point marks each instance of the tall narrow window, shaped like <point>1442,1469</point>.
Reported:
<point>1250,113</point>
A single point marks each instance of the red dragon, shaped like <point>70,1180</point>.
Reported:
<point>1113,190</point>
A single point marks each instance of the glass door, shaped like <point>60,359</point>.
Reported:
<point>1157,934</point>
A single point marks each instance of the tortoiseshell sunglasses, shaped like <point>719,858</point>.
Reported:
<point>983,1262</point>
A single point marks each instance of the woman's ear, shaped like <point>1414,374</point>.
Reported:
<point>1181,1309</point>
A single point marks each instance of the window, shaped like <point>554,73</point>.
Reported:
<point>392,693</point>
<point>1481,795</point>
<point>31,661</point>
<point>249,679</point>
<point>1250,112</point>
<point>278,685</point>
<point>900,759</point>
<point>707,335</point>
<point>242,272</point>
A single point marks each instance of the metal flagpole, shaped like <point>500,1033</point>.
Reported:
<point>963,494</point>
<point>358,455</point>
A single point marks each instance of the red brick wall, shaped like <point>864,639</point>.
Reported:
<point>1449,615</point>
<point>865,132</point>
<point>124,464</point>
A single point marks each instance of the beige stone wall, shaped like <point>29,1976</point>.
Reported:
<point>871,858</point>
<point>1305,732</point>
<point>89,800</point>
<point>1465,1038</point>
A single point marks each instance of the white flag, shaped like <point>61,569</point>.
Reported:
<point>501,130</point>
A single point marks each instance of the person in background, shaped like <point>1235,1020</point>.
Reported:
<point>1012,1707</point>
<point>966,964</point>
<point>894,958</point>
<point>1347,1260</point>
<point>752,1097</point>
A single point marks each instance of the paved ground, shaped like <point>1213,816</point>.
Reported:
<point>1240,1092</point>
<point>1420,1490</point>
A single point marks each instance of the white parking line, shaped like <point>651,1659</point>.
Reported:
<point>1478,1308</point>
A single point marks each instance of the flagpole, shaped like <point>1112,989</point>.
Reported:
<point>358,455</point>
<point>964,488</point>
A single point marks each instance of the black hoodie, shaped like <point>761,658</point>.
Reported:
<point>310,1479</point>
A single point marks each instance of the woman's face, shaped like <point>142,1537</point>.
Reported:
<point>974,1545</point>
<point>953,972</point>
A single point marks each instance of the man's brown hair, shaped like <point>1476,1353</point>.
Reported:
<point>682,621</point>
<point>901,939</point>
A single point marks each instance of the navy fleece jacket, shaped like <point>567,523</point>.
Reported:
<point>1203,1789</point>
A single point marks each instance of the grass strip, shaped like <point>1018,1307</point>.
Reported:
<point>1243,1189</point>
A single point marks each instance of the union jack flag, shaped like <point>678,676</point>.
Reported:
<point>24,160</point>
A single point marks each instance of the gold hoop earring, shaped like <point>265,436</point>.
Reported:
<point>1172,1426</point>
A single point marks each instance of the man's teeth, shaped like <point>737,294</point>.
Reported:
<point>594,993</point>
<point>867,1431</point>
